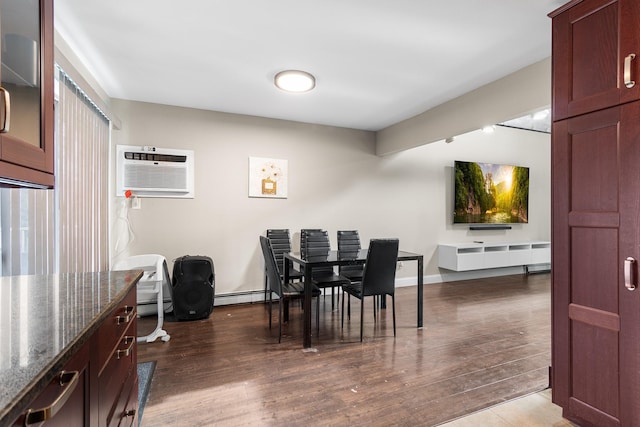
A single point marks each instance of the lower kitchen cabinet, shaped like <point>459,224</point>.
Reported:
<point>98,386</point>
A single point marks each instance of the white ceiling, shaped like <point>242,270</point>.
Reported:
<point>376,62</point>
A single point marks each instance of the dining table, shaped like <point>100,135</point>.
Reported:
<point>340,258</point>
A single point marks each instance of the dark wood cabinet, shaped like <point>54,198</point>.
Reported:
<point>116,355</point>
<point>595,204</point>
<point>596,56</point>
<point>27,93</point>
<point>105,390</point>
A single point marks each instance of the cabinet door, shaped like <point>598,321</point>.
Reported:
<point>593,45</point>
<point>596,226</point>
<point>26,99</point>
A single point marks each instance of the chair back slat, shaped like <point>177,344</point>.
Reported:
<point>348,240</point>
<point>303,239</point>
<point>280,242</point>
<point>316,244</point>
<point>348,247</point>
<point>380,269</point>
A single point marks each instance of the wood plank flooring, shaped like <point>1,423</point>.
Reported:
<point>484,342</point>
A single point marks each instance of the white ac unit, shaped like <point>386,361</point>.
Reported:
<point>154,172</point>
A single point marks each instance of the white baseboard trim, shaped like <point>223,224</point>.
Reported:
<point>249,297</point>
<point>252,297</point>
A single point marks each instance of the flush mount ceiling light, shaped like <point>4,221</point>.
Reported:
<point>489,129</point>
<point>294,81</point>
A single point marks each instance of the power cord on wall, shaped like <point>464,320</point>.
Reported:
<point>126,236</point>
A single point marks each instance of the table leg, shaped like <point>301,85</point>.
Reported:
<point>420,290</point>
<point>308,295</point>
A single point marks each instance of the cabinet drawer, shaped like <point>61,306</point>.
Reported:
<point>118,371</point>
<point>111,332</point>
<point>66,396</point>
<point>129,411</point>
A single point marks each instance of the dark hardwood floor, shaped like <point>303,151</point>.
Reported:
<point>484,341</point>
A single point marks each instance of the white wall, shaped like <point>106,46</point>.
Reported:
<point>335,182</point>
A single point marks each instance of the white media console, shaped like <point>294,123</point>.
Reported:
<point>481,255</point>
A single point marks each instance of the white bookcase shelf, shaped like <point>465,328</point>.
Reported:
<point>478,256</point>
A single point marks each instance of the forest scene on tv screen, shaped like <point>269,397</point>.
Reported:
<point>487,193</point>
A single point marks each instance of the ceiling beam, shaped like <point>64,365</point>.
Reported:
<point>515,95</point>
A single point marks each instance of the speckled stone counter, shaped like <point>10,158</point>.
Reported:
<point>44,320</point>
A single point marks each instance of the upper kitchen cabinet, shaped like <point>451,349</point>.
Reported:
<point>596,55</point>
<point>26,94</point>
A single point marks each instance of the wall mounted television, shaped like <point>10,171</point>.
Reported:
<point>487,193</point>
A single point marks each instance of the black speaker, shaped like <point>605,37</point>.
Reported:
<point>193,287</point>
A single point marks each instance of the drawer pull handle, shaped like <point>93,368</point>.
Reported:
<point>627,71</point>
<point>630,273</point>
<point>128,341</point>
<point>7,110</point>
<point>68,381</point>
<point>129,312</point>
<point>130,413</point>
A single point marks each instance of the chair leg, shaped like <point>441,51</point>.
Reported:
<point>280,320</point>
<point>266,285</point>
<point>342,314</point>
<point>393,304</point>
<point>270,307</point>
<point>361,316</point>
<point>349,306</point>
<point>375,318</point>
<point>317,316</point>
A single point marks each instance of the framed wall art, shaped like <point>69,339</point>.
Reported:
<point>268,177</point>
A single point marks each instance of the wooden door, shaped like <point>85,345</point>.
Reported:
<point>596,225</point>
<point>593,41</point>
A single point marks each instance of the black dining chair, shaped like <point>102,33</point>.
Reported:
<point>348,247</point>
<point>378,278</point>
<point>285,291</point>
<point>280,240</point>
<point>317,245</point>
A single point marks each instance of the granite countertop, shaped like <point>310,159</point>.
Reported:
<point>44,320</point>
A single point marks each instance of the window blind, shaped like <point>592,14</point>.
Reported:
<point>82,181</point>
<point>27,230</point>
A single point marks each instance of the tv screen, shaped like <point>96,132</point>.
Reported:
<point>487,193</point>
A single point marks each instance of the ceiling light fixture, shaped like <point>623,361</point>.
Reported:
<point>295,81</point>
<point>489,129</point>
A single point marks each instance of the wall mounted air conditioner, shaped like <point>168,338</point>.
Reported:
<point>154,172</point>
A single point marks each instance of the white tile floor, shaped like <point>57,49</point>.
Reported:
<point>533,410</point>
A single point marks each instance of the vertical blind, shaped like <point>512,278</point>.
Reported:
<point>82,181</point>
<point>27,230</point>
<point>66,229</point>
